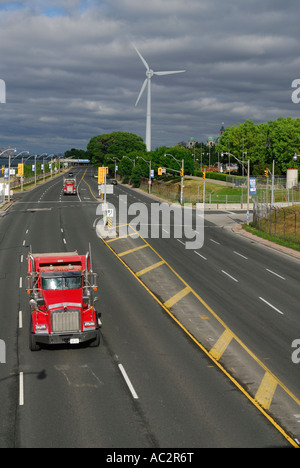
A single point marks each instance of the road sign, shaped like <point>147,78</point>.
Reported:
<point>252,186</point>
<point>109,189</point>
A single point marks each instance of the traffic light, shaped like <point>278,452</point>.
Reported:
<point>203,175</point>
<point>181,172</point>
<point>3,169</point>
<point>159,171</point>
<point>266,172</point>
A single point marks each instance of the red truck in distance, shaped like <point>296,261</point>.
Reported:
<point>70,187</point>
<point>62,290</point>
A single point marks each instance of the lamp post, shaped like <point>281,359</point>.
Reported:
<point>36,157</point>
<point>248,181</point>
<point>22,178</point>
<point>132,160</point>
<point>22,175</point>
<point>9,160</point>
<point>181,174</point>
<point>115,161</point>
<point>149,181</point>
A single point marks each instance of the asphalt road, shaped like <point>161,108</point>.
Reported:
<point>148,385</point>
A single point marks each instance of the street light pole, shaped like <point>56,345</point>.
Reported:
<point>181,173</point>
<point>9,160</point>
<point>248,182</point>
<point>149,181</point>
<point>22,178</point>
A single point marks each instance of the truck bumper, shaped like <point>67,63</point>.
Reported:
<point>70,338</point>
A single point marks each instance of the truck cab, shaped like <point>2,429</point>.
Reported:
<point>70,187</point>
<point>62,290</point>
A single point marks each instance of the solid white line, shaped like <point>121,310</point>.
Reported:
<point>21,389</point>
<point>266,302</point>
<point>273,273</point>
<point>225,273</point>
<point>197,253</point>
<point>237,253</point>
<point>130,386</point>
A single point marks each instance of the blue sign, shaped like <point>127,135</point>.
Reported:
<point>152,173</point>
<point>252,186</point>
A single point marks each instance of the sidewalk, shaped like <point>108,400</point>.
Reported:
<point>4,208</point>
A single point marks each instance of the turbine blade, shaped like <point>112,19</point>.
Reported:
<point>141,92</point>
<point>160,73</point>
<point>142,59</point>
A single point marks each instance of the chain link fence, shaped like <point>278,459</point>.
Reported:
<point>283,223</point>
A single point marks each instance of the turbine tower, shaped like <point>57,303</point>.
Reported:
<point>147,82</point>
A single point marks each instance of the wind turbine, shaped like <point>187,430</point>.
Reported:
<point>147,82</point>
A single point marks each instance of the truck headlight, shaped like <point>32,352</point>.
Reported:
<point>89,325</point>
<point>41,328</point>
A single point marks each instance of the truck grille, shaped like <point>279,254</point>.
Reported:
<point>65,322</point>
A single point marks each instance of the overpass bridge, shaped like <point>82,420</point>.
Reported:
<point>75,161</point>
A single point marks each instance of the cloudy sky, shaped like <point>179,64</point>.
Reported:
<point>71,71</point>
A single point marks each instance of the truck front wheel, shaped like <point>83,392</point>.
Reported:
<point>32,340</point>
<point>33,344</point>
<point>95,343</point>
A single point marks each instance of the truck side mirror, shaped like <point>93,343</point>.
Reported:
<point>33,304</point>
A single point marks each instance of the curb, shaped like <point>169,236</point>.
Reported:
<point>238,229</point>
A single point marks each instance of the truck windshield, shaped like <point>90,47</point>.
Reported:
<point>58,283</point>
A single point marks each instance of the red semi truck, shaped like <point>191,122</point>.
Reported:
<point>70,187</point>
<point>62,299</point>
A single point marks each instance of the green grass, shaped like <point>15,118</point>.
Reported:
<point>276,240</point>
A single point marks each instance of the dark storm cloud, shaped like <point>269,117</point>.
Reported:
<point>71,71</point>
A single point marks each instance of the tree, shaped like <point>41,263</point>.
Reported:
<point>116,144</point>
<point>76,154</point>
<point>136,175</point>
<point>277,140</point>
